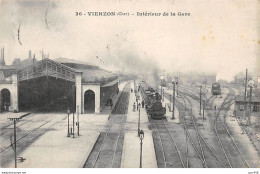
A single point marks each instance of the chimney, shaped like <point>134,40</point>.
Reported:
<point>30,54</point>
<point>42,55</point>
<point>2,60</point>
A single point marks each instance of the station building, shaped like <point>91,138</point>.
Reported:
<point>54,85</point>
<point>239,106</point>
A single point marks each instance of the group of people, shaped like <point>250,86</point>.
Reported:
<point>136,105</point>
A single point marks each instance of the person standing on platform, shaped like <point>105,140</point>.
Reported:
<point>142,104</point>
<point>111,104</point>
<point>134,107</point>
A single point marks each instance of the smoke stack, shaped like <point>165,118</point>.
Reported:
<point>30,54</point>
<point>2,60</point>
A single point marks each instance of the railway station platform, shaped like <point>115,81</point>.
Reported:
<point>55,150</point>
<point>166,103</point>
<point>131,149</point>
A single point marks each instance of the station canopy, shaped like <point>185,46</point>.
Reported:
<point>91,74</point>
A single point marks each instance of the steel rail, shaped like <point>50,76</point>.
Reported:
<point>121,123</point>
<point>175,145</point>
<point>232,138</point>
<point>164,158</point>
<point>211,150</point>
<point>187,133</point>
<point>117,107</point>
<point>196,128</point>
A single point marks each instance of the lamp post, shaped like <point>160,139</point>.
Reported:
<point>173,99</point>
<point>78,118</point>
<point>73,125</point>
<point>163,95</point>
<point>141,146</point>
<point>68,111</point>
<point>139,105</point>
<point>15,155</point>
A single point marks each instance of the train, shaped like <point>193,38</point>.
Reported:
<point>152,101</point>
<point>215,89</point>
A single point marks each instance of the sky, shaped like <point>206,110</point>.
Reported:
<point>219,36</point>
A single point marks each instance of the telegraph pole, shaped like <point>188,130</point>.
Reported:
<point>173,99</point>
<point>250,84</point>
<point>200,99</point>
<point>170,102</point>
<point>250,99</point>
<point>245,95</point>
<point>203,109</point>
<point>177,85</point>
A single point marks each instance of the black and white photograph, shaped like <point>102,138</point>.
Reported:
<point>130,84</point>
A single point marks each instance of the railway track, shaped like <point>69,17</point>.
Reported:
<point>228,101</point>
<point>223,135</point>
<point>166,152</point>
<point>221,130</point>
<point>27,134</point>
<point>251,133</point>
<point>197,146</point>
<point>8,124</point>
<point>200,145</point>
<point>24,140</point>
<point>210,102</point>
<point>107,151</point>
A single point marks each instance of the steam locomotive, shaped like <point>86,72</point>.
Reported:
<point>153,102</point>
<point>215,89</point>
